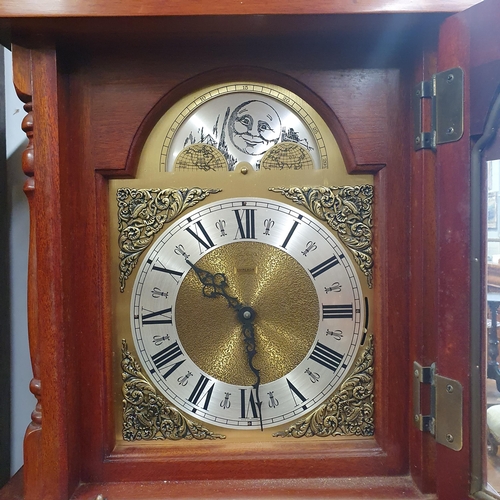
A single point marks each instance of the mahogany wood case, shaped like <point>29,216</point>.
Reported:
<point>90,75</point>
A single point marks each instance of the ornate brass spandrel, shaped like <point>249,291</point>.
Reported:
<point>349,411</point>
<point>142,213</point>
<point>147,415</point>
<point>347,210</point>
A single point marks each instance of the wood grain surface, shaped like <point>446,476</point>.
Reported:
<point>91,100</point>
<point>453,238</point>
<point>368,488</point>
<point>468,40</point>
<point>34,8</point>
<point>423,268</point>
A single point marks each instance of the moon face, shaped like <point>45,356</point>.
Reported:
<point>254,126</point>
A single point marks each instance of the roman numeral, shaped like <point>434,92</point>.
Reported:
<point>204,239</point>
<point>164,358</point>
<point>296,393</point>
<point>157,317</point>
<point>199,393</point>
<point>248,404</point>
<point>337,311</point>
<point>325,356</point>
<point>289,235</point>
<point>324,266</point>
<point>246,228</point>
<point>158,266</point>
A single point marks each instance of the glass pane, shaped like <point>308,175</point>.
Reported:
<point>492,383</point>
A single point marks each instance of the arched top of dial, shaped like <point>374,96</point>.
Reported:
<point>232,122</point>
<point>243,122</point>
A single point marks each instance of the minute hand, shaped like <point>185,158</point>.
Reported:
<point>246,316</point>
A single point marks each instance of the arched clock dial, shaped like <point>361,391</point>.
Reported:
<point>221,127</point>
<point>242,121</point>
<point>247,313</point>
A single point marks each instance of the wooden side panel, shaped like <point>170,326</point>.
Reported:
<point>392,276</point>
<point>50,463</point>
<point>441,249</point>
<point>469,40</point>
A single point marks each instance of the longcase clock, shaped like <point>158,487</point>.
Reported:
<point>236,254</point>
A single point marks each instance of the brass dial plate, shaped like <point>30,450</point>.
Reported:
<point>226,184</point>
<point>268,279</point>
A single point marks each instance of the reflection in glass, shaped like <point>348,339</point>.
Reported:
<point>492,384</point>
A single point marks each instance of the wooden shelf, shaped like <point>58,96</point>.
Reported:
<point>97,8</point>
<point>357,488</point>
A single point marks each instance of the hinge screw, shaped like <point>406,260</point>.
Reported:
<point>449,438</point>
<point>450,78</point>
<point>449,388</point>
<point>416,373</point>
<point>416,418</point>
<point>417,139</point>
<point>450,130</point>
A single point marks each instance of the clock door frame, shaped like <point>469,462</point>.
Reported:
<point>468,40</point>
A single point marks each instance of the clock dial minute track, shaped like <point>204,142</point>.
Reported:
<point>295,321</point>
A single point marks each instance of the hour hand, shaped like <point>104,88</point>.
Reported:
<point>214,285</point>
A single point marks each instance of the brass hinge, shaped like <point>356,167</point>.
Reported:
<point>446,92</point>
<point>444,420</point>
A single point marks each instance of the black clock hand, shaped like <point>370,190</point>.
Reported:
<point>214,285</point>
<point>246,316</point>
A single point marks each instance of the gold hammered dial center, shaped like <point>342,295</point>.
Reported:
<point>283,297</point>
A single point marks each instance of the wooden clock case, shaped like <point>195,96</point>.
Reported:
<point>91,85</point>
